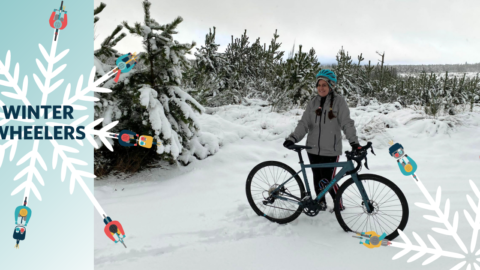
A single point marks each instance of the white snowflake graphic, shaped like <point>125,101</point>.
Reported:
<point>62,152</point>
<point>450,229</point>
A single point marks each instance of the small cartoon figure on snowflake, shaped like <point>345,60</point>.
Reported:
<point>407,168</point>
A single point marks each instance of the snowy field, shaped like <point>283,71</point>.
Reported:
<point>198,217</point>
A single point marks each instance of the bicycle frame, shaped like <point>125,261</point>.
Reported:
<point>346,166</point>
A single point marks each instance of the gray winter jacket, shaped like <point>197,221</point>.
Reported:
<point>324,134</point>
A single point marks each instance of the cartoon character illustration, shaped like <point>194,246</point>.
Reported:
<point>146,141</point>
<point>59,19</point>
<point>124,63</point>
<point>22,217</point>
<point>22,214</point>
<point>407,168</point>
<point>19,234</point>
<point>372,239</point>
<point>113,228</point>
<point>125,136</point>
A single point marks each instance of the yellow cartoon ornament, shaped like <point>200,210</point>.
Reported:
<point>372,239</point>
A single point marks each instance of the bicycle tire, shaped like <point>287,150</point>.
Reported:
<point>377,220</point>
<point>258,178</point>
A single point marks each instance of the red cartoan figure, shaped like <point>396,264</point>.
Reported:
<point>114,228</point>
<point>59,19</point>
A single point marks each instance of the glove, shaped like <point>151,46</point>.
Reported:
<point>355,146</point>
<point>288,143</point>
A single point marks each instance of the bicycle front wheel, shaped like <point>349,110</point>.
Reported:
<point>390,207</point>
<point>263,180</point>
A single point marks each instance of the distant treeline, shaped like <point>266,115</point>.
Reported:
<point>460,68</point>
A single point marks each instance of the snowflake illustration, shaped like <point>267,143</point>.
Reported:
<point>62,152</point>
<point>450,230</point>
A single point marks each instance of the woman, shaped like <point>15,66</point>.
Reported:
<point>326,114</point>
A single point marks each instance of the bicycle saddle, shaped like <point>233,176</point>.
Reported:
<point>299,147</point>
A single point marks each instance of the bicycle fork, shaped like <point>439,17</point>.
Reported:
<point>364,195</point>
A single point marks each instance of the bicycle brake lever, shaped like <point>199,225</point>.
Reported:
<point>372,151</point>
<point>366,165</point>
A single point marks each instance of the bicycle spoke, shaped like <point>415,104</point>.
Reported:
<point>267,179</point>
<point>385,195</point>
<point>356,190</point>
<point>380,218</point>
<point>357,220</point>
<point>351,200</point>
<point>380,225</point>
<point>386,202</point>
<point>396,199</point>
<point>375,191</point>
<point>262,180</point>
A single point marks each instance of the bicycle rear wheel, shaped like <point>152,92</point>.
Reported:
<point>390,207</point>
<point>263,180</point>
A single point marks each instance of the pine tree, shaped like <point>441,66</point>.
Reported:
<point>169,113</point>
<point>297,83</point>
<point>209,72</point>
<point>106,50</point>
<point>238,82</point>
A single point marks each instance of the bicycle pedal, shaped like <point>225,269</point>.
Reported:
<point>323,206</point>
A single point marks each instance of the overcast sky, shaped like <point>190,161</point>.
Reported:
<point>408,31</point>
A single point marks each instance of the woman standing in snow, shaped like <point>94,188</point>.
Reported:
<point>323,119</point>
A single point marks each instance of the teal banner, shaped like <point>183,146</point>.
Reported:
<point>46,159</point>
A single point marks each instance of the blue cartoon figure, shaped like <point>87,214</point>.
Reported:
<point>22,217</point>
<point>407,168</point>
<point>125,63</point>
<point>125,136</point>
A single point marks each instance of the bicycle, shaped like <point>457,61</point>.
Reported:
<point>376,204</point>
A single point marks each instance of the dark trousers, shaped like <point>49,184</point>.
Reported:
<point>325,174</point>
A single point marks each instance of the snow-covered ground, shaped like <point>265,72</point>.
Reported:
<point>198,217</point>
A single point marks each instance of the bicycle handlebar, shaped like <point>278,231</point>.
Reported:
<point>358,155</point>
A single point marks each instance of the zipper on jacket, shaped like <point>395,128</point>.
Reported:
<point>319,132</point>
<point>324,116</point>
<point>334,141</point>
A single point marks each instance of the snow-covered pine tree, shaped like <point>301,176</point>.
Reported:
<point>350,78</point>
<point>238,82</point>
<point>297,83</point>
<point>473,87</point>
<point>106,50</point>
<point>209,72</point>
<point>97,11</point>
<point>106,107</point>
<point>169,113</point>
